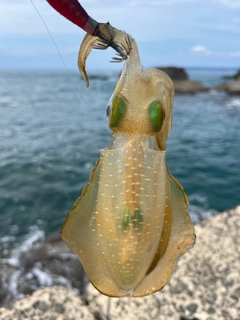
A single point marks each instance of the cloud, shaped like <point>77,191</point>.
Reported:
<point>199,49</point>
<point>229,3</point>
<point>202,50</point>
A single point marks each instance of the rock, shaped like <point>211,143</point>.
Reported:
<point>218,242</point>
<point>211,310</point>
<point>221,87</point>
<point>182,86</point>
<point>202,271</point>
<point>56,303</point>
<point>177,286</point>
<point>232,88</point>
<point>175,73</point>
<point>46,263</point>
<point>192,307</point>
<point>235,76</point>
<point>180,81</point>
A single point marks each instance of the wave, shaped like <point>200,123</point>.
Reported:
<point>38,262</point>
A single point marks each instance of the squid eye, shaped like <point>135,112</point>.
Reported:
<point>156,115</point>
<point>108,110</point>
<point>118,110</point>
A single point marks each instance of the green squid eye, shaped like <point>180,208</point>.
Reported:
<point>156,114</point>
<point>118,110</point>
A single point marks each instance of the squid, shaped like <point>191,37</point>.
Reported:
<point>131,224</point>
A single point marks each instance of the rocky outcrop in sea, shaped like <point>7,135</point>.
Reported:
<point>232,88</point>
<point>235,76</point>
<point>183,85</point>
<point>175,73</point>
<point>181,81</point>
<point>188,87</point>
<point>205,285</point>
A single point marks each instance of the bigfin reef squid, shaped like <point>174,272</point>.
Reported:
<point>130,225</point>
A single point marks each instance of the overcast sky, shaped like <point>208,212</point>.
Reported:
<point>201,33</point>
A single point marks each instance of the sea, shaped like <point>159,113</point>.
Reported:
<point>52,128</point>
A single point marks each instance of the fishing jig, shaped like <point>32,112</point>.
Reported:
<point>73,11</point>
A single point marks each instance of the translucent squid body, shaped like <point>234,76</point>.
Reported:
<point>131,224</point>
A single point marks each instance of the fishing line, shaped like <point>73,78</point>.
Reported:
<point>80,97</point>
<point>50,35</point>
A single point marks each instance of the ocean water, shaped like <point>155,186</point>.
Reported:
<point>51,131</point>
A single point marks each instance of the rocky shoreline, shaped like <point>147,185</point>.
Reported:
<point>205,285</point>
<point>232,88</point>
<point>183,85</point>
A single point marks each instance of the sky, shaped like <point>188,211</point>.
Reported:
<point>184,33</point>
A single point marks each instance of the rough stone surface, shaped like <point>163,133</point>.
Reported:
<point>205,286</point>
<point>175,73</point>
<point>54,303</point>
<point>232,88</point>
<point>182,86</point>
